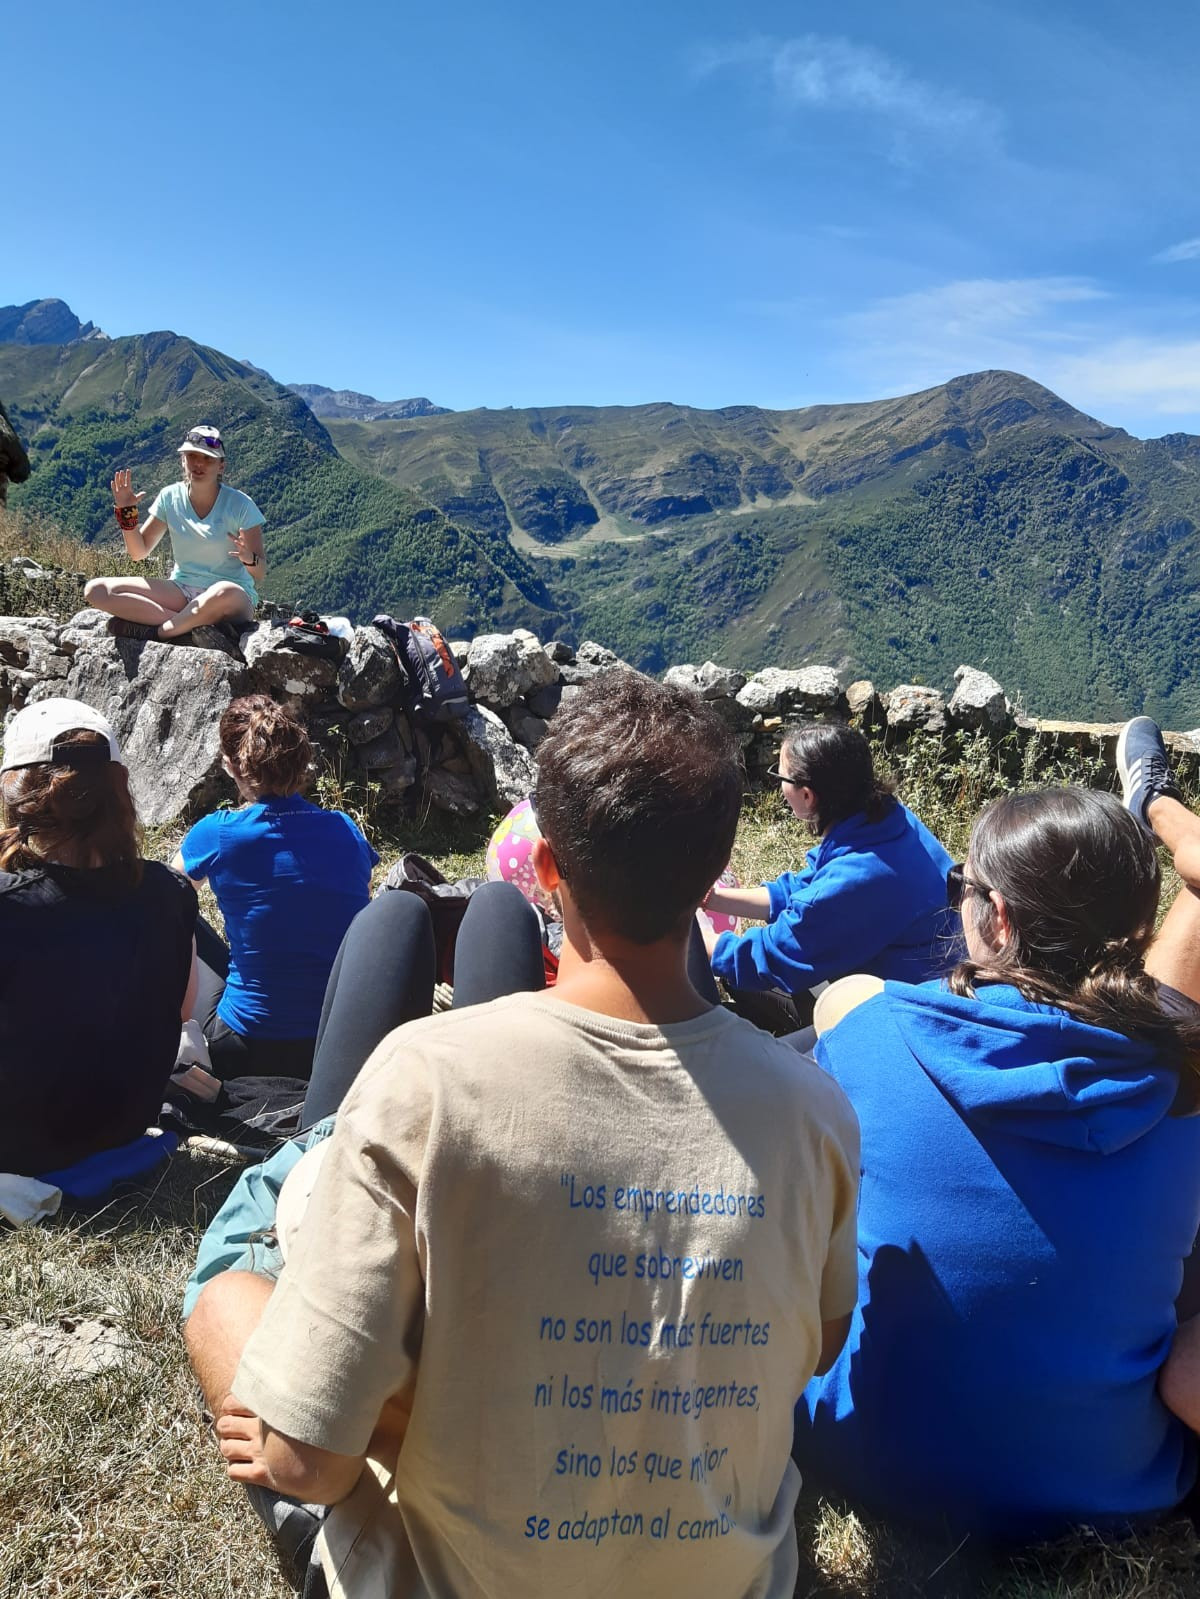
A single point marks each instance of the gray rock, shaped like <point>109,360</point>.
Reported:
<point>978,701</point>
<point>369,675</point>
<point>504,771</point>
<point>366,725</point>
<point>774,691</point>
<point>545,701</point>
<point>397,779</point>
<point>685,677</point>
<point>452,792</point>
<point>911,707</point>
<point>282,673</point>
<point>164,703</point>
<point>376,755</point>
<point>503,667</point>
<point>592,654</point>
<point>710,681</point>
<point>579,674</point>
<point>528,730</point>
<point>863,701</point>
<point>561,654</point>
<point>720,682</point>
<point>460,648</point>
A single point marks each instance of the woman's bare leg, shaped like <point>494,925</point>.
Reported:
<point>150,600</point>
<point>221,603</point>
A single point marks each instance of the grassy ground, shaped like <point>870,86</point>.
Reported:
<point>109,1483</point>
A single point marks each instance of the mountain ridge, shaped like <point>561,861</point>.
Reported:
<point>983,520</point>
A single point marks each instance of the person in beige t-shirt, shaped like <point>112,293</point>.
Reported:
<point>570,1258</point>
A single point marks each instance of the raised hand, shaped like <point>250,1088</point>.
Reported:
<point>242,550</point>
<point>122,489</point>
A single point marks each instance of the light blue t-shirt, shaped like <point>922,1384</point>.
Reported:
<point>202,549</point>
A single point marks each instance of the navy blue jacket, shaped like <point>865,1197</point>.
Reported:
<point>872,899</point>
<point>1027,1202</point>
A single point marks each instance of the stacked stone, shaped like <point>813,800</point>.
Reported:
<point>166,700</point>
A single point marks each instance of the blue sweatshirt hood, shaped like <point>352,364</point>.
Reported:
<point>1003,1060</point>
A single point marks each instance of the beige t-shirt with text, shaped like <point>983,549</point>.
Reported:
<point>601,1254</point>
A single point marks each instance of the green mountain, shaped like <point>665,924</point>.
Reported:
<point>984,521</point>
<point>339,538</point>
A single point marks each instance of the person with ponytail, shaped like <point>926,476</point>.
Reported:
<point>289,878</point>
<point>96,946</point>
<point>872,897</point>
<point>1030,1191</point>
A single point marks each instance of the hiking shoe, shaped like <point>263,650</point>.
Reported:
<point>221,636</point>
<point>1143,767</point>
<point>118,627</point>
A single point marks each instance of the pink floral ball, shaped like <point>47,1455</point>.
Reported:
<point>510,855</point>
<point>722,923</point>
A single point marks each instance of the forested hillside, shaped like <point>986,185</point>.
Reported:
<point>340,539</point>
<point>985,520</point>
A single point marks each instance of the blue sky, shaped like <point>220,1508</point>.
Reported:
<point>531,204</point>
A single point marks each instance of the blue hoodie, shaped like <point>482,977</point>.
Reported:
<point>872,899</point>
<point>1027,1202</point>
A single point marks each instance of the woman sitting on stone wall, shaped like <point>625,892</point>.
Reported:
<point>872,897</point>
<point>1030,1191</point>
<point>96,947</point>
<point>216,541</point>
<point>289,878</point>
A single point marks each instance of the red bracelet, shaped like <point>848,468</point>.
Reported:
<point>127,517</point>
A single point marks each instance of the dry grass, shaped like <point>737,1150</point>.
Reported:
<point>110,1484</point>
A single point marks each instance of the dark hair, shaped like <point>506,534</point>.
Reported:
<point>638,793</point>
<point>1080,880</point>
<point>266,744</point>
<point>77,816</point>
<point>835,762</point>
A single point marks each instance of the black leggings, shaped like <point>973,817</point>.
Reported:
<point>384,976</point>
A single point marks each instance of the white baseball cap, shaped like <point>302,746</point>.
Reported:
<point>204,440</point>
<point>31,737</point>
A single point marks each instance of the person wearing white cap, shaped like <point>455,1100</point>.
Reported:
<point>216,541</point>
<point>96,946</point>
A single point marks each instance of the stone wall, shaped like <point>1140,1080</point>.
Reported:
<point>165,701</point>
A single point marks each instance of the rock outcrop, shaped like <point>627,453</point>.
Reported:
<point>166,700</point>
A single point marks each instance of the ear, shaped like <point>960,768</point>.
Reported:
<point>1002,929</point>
<point>228,767</point>
<point>545,867</point>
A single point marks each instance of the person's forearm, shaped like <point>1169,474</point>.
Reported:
<point>754,902</point>
<point>314,1476</point>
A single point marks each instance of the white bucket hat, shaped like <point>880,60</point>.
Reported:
<point>32,737</point>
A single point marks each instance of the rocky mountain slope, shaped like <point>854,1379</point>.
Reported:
<point>348,405</point>
<point>984,520</point>
<point>340,539</point>
<point>44,322</point>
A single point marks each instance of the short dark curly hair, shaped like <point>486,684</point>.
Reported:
<point>638,792</point>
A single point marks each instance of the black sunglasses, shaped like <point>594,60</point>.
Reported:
<point>957,884</point>
<point>782,777</point>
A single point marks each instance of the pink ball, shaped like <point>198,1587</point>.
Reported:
<point>509,856</point>
<point>721,922</point>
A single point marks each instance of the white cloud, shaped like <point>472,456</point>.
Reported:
<point>1069,333</point>
<point>1186,250</point>
<point>828,73</point>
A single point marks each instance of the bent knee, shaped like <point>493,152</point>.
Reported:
<point>232,596</point>
<point>96,590</point>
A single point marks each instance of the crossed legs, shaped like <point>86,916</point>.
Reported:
<point>156,602</point>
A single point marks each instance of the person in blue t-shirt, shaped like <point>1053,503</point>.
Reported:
<point>289,878</point>
<point>216,542</point>
<point>1030,1191</point>
<point>872,897</point>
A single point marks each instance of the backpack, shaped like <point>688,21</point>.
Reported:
<point>433,687</point>
<point>307,634</point>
